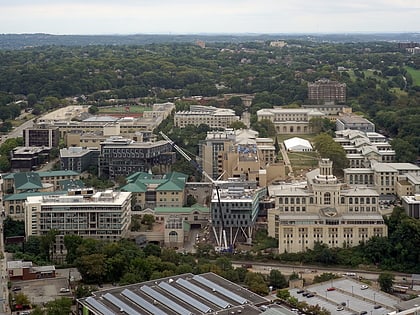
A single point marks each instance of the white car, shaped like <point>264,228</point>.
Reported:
<point>64,290</point>
<point>364,287</point>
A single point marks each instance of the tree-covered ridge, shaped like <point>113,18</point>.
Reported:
<point>378,83</point>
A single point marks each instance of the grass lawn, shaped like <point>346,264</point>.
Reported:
<point>136,109</point>
<point>415,74</point>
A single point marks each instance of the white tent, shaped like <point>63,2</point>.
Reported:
<point>297,144</point>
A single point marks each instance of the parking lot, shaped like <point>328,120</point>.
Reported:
<point>354,296</point>
<point>43,290</point>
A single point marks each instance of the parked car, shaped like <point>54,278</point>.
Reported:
<point>331,289</point>
<point>377,306</point>
<point>64,290</point>
<point>16,288</point>
<point>363,313</point>
<point>364,287</point>
<point>300,291</point>
<point>340,308</point>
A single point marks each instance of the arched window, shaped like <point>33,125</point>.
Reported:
<point>173,237</point>
<point>17,208</point>
<point>11,210</point>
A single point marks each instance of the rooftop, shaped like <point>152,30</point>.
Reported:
<point>183,294</point>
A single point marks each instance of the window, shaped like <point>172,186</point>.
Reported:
<point>327,198</point>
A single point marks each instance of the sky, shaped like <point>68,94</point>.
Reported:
<point>95,17</point>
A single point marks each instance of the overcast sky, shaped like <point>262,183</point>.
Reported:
<point>208,16</point>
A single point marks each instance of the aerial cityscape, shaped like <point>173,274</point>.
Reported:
<point>210,158</point>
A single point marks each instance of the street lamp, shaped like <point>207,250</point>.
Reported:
<point>352,291</point>
<point>374,297</point>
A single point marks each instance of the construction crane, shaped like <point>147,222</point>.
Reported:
<point>220,236</point>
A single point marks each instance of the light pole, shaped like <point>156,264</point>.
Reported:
<point>352,291</point>
<point>374,297</point>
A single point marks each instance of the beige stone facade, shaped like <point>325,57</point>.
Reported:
<point>325,211</point>
<point>290,120</point>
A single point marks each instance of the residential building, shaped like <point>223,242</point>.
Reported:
<point>102,215</point>
<point>234,209</point>
<point>290,120</point>
<point>19,270</point>
<point>323,210</point>
<point>78,159</point>
<point>41,136</point>
<point>36,181</point>
<point>180,294</point>
<point>354,122</point>
<point>325,90</point>
<point>122,157</point>
<point>208,115</point>
<point>26,159</point>
<point>150,192</point>
<point>240,154</point>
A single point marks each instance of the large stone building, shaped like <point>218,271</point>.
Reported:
<point>208,115</point>
<point>290,120</point>
<point>323,210</point>
<point>411,205</point>
<point>123,157</point>
<point>324,90</point>
<point>240,154</point>
<point>101,215</point>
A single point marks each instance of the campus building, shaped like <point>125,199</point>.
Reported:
<point>78,159</point>
<point>234,209</point>
<point>150,192</point>
<point>290,120</point>
<point>123,157</point>
<point>41,136</point>
<point>240,154</point>
<point>102,215</point>
<point>323,210</point>
<point>354,122</point>
<point>364,147</point>
<point>208,115</point>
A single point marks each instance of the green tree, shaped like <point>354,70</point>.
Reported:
<point>277,279</point>
<point>61,306</point>
<point>22,299</point>
<point>93,110</point>
<point>237,125</point>
<point>386,281</point>
<point>92,268</point>
<point>149,220</point>
<point>72,242</point>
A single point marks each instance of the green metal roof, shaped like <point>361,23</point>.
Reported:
<point>27,181</point>
<point>57,173</point>
<point>138,182</point>
<point>23,196</point>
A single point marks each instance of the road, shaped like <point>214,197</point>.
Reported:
<point>17,131</point>
<point>311,271</point>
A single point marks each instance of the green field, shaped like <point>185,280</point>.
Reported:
<point>136,109</point>
<point>415,74</point>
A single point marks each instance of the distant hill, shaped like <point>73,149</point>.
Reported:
<point>19,41</point>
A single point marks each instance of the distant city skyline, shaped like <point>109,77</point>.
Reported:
<point>97,17</point>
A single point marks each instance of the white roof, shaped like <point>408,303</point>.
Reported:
<point>297,142</point>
